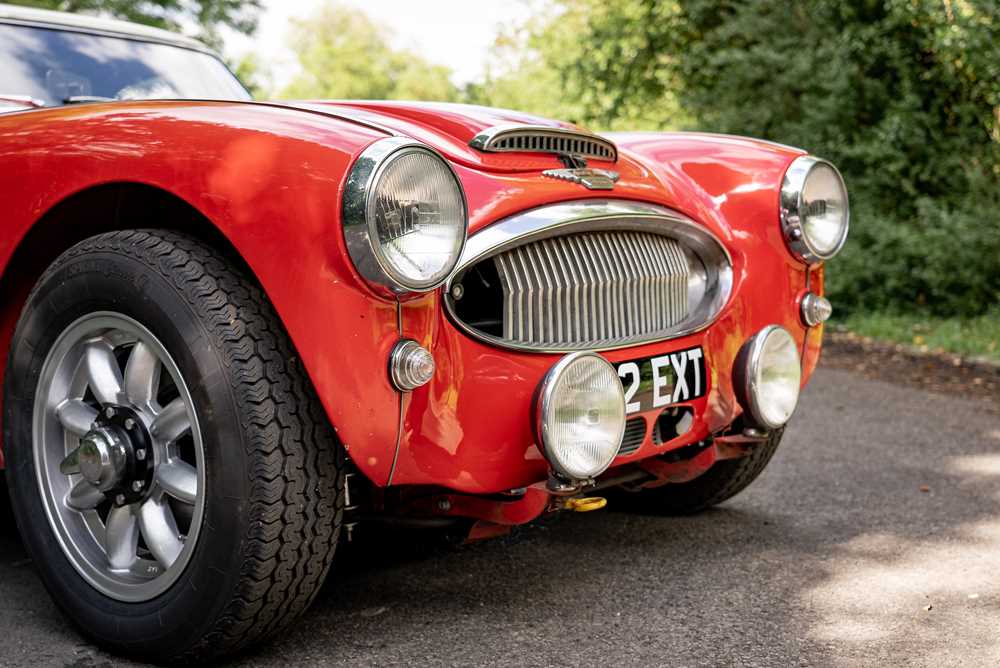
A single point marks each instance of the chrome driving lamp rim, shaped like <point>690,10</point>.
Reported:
<point>751,370</point>
<point>360,232</point>
<point>543,408</point>
<point>792,205</point>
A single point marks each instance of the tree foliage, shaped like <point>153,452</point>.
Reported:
<point>533,68</point>
<point>240,15</point>
<point>343,54</point>
<point>903,95</point>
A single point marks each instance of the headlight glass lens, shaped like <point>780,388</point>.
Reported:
<point>582,415</point>
<point>815,211</point>
<point>775,376</point>
<point>824,209</point>
<point>417,216</point>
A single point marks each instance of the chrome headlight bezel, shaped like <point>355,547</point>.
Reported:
<point>792,210</point>
<point>360,233</point>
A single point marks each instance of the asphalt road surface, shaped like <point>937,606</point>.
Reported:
<point>873,538</point>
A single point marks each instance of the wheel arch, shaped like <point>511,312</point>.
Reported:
<point>97,209</point>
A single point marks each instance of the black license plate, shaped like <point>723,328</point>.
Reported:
<point>654,382</point>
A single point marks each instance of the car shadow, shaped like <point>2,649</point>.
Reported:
<point>871,539</point>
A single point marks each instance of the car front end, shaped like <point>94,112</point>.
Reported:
<point>622,317</point>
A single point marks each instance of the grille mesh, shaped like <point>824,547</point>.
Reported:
<point>635,434</point>
<point>592,289</point>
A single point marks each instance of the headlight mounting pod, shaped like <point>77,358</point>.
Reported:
<point>815,211</point>
<point>580,415</point>
<point>405,216</point>
<point>768,377</point>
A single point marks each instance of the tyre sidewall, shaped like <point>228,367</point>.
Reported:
<point>112,281</point>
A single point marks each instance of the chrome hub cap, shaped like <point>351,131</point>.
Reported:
<point>119,456</point>
<point>100,459</point>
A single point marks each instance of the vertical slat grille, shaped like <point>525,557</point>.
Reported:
<point>592,288</point>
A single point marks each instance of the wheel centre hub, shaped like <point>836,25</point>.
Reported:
<point>102,458</point>
<point>117,457</point>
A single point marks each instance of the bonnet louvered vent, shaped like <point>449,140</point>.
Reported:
<point>545,140</point>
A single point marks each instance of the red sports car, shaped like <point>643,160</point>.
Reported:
<point>235,331</point>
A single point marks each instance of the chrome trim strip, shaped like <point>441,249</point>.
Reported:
<point>558,220</point>
<point>535,136</point>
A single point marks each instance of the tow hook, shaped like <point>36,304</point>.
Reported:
<point>584,504</point>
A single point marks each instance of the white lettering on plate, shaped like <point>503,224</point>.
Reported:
<point>630,369</point>
<point>679,362</point>
<point>659,382</point>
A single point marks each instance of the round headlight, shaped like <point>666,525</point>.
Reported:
<point>405,217</point>
<point>580,415</point>
<point>771,376</point>
<point>815,213</point>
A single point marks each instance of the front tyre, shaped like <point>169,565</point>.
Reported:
<point>724,480</point>
<point>171,471</point>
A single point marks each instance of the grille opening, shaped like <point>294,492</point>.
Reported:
<point>671,423</point>
<point>481,302</point>
<point>635,434</point>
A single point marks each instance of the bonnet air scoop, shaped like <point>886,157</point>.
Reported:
<point>543,139</point>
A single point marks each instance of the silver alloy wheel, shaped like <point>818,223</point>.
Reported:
<point>124,499</point>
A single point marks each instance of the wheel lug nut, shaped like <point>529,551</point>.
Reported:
<point>120,500</point>
<point>140,454</point>
<point>109,412</point>
<point>129,423</point>
<point>137,486</point>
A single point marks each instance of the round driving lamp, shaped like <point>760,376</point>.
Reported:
<point>580,415</point>
<point>405,217</point>
<point>769,376</point>
<point>815,213</point>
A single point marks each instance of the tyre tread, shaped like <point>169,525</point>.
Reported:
<point>297,474</point>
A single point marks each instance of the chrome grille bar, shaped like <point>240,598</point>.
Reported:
<point>591,288</point>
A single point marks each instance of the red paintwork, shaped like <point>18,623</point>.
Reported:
<point>269,177</point>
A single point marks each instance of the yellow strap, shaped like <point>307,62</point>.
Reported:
<point>585,504</point>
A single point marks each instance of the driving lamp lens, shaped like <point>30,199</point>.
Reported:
<point>824,210</point>
<point>773,376</point>
<point>581,415</point>
<point>417,214</point>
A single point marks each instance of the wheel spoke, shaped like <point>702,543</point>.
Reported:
<point>84,496</point>
<point>178,479</point>
<point>171,423</point>
<point>142,375</point>
<point>103,374</point>
<point>70,465</point>
<point>121,538</point>
<point>75,416</point>
<point>159,529</point>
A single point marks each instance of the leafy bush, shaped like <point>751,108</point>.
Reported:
<point>944,260</point>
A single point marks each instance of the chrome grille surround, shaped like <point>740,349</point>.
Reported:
<point>596,275</point>
<point>544,139</point>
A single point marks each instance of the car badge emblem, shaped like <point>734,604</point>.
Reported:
<point>592,179</point>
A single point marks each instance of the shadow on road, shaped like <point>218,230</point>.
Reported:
<point>872,539</point>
